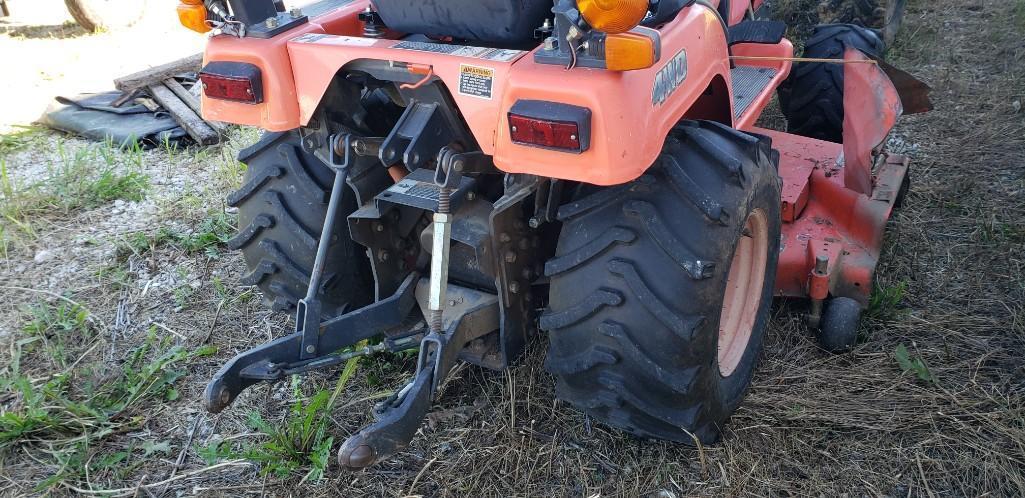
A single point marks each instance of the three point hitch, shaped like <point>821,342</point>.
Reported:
<point>318,343</point>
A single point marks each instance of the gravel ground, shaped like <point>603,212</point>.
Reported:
<point>951,294</point>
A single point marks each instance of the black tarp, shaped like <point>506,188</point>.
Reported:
<point>91,115</point>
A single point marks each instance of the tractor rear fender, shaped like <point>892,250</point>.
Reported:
<point>631,112</point>
<point>279,110</point>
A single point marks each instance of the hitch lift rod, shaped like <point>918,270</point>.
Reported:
<point>308,310</point>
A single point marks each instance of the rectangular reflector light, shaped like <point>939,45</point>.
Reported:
<point>234,81</point>
<point>550,125</point>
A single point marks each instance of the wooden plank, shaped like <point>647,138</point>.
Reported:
<point>159,73</point>
<point>183,94</point>
<point>194,125</point>
<point>193,102</point>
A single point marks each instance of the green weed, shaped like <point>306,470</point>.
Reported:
<point>82,178</point>
<point>885,302</point>
<point>89,177</point>
<point>13,142</point>
<point>68,415</point>
<point>300,442</point>
<point>54,325</point>
<point>208,238</point>
<point>909,364</point>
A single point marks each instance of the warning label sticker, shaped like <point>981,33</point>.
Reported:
<point>491,54</point>
<point>476,81</point>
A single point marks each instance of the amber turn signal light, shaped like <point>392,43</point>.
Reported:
<point>613,16</point>
<point>192,14</point>
<point>629,51</point>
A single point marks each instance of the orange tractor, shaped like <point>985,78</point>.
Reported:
<point>453,176</point>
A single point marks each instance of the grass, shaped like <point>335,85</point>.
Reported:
<point>80,178</point>
<point>67,417</point>
<point>54,325</point>
<point>301,442</point>
<point>209,237</point>
<point>13,142</point>
<point>886,301</point>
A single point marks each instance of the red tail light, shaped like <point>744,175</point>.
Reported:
<point>550,125</point>
<point>544,133</point>
<point>235,81</point>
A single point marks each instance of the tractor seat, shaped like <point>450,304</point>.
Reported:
<point>503,23</point>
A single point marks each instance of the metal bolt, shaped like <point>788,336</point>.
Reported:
<point>296,13</point>
<point>471,196</point>
<point>271,22</point>
<point>383,255</point>
<point>572,137</point>
<point>378,227</point>
<point>514,287</point>
<point>311,349</point>
<point>510,257</point>
<point>515,129</point>
<point>551,43</point>
<point>821,264</point>
<point>534,223</point>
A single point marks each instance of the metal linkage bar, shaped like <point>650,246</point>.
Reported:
<point>270,361</point>
<point>309,309</point>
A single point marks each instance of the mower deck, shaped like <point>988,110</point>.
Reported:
<point>832,235</point>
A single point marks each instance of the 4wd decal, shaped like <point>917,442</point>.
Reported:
<point>669,78</point>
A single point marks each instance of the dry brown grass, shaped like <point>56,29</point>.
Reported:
<point>814,424</point>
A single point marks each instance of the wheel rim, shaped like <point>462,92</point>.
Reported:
<point>744,287</point>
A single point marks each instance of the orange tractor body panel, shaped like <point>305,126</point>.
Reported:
<point>628,127</point>
<point>280,109</point>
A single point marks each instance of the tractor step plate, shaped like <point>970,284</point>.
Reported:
<point>748,83</point>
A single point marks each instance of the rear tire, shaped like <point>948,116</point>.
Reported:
<point>812,96</point>
<point>638,286</point>
<point>93,15</point>
<point>282,205</point>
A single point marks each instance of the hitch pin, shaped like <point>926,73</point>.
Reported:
<point>426,70</point>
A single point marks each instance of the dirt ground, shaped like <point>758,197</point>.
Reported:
<point>120,301</point>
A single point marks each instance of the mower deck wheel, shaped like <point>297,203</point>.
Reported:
<point>838,330</point>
